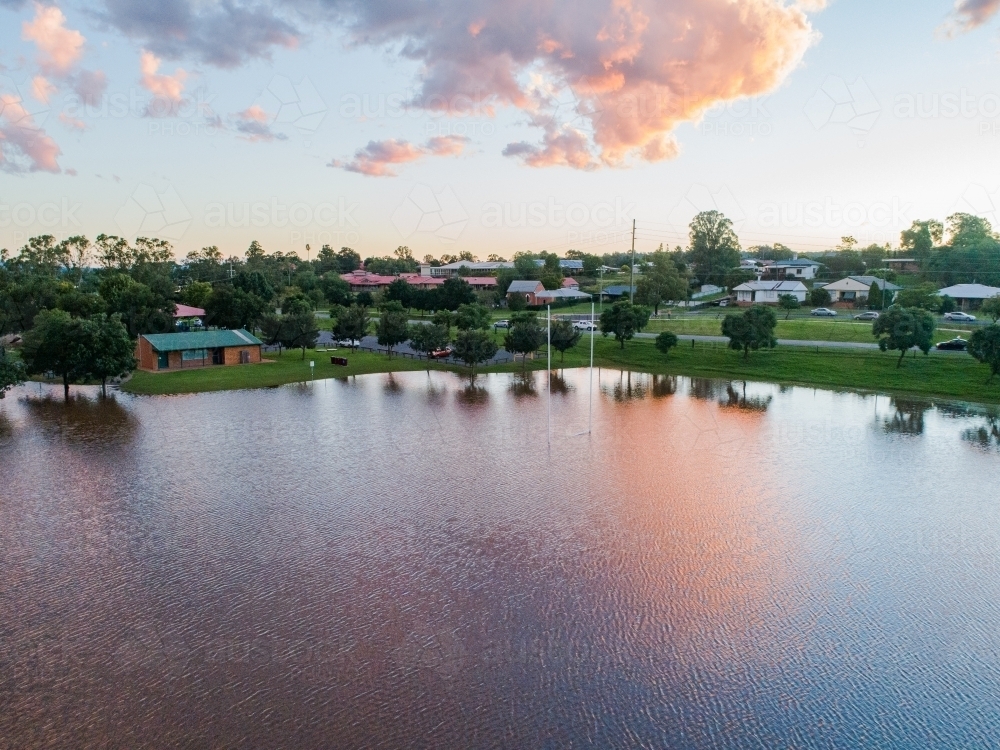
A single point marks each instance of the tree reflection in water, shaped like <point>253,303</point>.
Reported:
<point>391,385</point>
<point>559,384</point>
<point>738,399</point>
<point>635,386</point>
<point>987,436</point>
<point>522,384</point>
<point>706,389</point>
<point>83,419</point>
<point>907,417</point>
<point>473,395</point>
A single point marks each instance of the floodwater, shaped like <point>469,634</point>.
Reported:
<point>408,561</point>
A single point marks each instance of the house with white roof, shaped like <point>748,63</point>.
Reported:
<point>852,288</point>
<point>970,296</point>
<point>767,292</point>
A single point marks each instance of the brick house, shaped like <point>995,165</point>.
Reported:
<point>526,289</point>
<point>158,352</point>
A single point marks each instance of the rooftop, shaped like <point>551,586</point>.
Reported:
<point>771,286</point>
<point>970,291</point>
<point>523,287</point>
<point>176,342</point>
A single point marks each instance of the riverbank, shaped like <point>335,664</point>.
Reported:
<point>953,377</point>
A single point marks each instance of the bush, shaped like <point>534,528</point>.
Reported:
<point>666,341</point>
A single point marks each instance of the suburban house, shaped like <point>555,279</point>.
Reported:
<point>570,283</point>
<point>767,292</point>
<point>561,295</point>
<point>480,282</point>
<point>852,288</point>
<point>903,265</point>
<point>452,269</point>
<point>970,296</point>
<point>617,292</point>
<point>527,289</point>
<point>362,281</point>
<point>793,269</point>
<point>179,351</point>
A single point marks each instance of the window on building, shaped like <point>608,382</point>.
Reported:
<point>194,354</point>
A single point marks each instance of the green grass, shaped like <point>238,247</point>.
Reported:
<point>288,368</point>
<point>950,376</point>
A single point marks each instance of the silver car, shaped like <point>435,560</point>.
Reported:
<point>824,312</point>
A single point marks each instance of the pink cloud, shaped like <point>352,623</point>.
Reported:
<point>606,81</point>
<point>169,87</point>
<point>254,113</point>
<point>23,145</point>
<point>59,48</point>
<point>969,15</point>
<point>376,158</point>
<point>254,123</point>
<point>42,88</point>
<point>71,122</point>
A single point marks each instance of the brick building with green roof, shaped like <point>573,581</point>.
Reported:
<point>158,352</point>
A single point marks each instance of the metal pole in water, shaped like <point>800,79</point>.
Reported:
<point>548,347</point>
<point>590,416</point>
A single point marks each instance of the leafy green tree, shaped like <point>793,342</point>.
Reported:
<point>348,260</point>
<point>524,336</point>
<point>666,341</point>
<point>79,304</point>
<point>142,310</point>
<point>335,290</point>
<point>564,336</point>
<point>966,230</point>
<point>715,248</point>
<point>196,294</point>
<point>472,317</point>
<point>58,344</point>
<point>23,298</point>
<point>427,338</point>
<point>751,329</point>
<point>231,307</point>
<point>991,308</point>
<point>819,297</point>
<point>946,304</point>
<point>789,303</point>
<point>299,330</point>
<point>661,282</point>
<point>923,296</point>
<point>271,330</point>
<point>876,300</point>
<point>255,282</point>
<point>506,277</point>
<point>984,345</point>
<point>921,238</point>
<point>401,291</point>
<point>624,320</point>
<point>737,276</point>
<point>453,293</point>
<point>902,329</point>
<point>517,303</point>
<point>111,351</point>
<point>474,346</point>
<point>353,324</point>
<point>393,326</point>
<point>12,372</point>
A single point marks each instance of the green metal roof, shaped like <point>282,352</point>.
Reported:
<point>177,342</point>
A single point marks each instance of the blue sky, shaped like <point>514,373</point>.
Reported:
<point>846,140</point>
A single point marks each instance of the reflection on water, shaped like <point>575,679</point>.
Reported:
<point>394,561</point>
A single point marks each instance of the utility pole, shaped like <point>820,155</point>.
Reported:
<point>631,288</point>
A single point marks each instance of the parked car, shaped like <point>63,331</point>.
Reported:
<point>442,353</point>
<point>869,315</point>
<point>722,302</point>
<point>960,317</point>
<point>351,343</point>
<point>955,345</point>
<point>585,325</point>
<point>824,312</point>
<point>501,324</point>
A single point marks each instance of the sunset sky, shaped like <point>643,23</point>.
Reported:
<point>494,127</point>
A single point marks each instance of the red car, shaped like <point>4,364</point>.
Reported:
<point>442,353</point>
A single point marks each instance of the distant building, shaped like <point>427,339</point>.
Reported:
<point>452,269</point>
<point>527,289</point>
<point>970,296</point>
<point>570,283</point>
<point>852,288</point>
<point>362,281</point>
<point>903,265</point>
<point>617,292</point>
<point>179,351</point>
<point>767,292</point>
<point>797,268</point>
<point>560,295</point>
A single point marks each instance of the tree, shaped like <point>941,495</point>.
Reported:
<point>984,345</point>
<point>255,282</point>
<point>966,230</point>
<point>946,304</point>
<point>921,238</point>
<point>789,303</point>
<point>819,297</point>
<point>564,336</point>
<point>516,303</point>
<point>660,282</point>
<point>624,320</point>
<point>299,330</point>
<point>401,291</point>
<point>353,324</point>
<point>335,290</point>
<point>142,310</point>
<point>453,293</point>
<point>901,329</point>
<point>474,346</point>
<point>58,344</point>
<point>445,319</point>
<point>196,293</point>
<point>752,329</point>
<point>348,260</point>
<point>738,276</point>
<point>427,338</point>
<point>393,326</point>
<point>472,317</point>
<point>715,248</point>
<point>524,336</point>
<point>111,350</point>
<point>876,300</point>
<point>924,296</point>
<point>231,307</point>
<point>991,308</point>
<point>666,341</point>
<point>11,372</point>
<point>271,330</point>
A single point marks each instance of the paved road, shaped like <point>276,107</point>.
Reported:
<point>781,342</point>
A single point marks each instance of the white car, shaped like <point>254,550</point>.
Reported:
<point>585,325</point>
<point>960,317</point>
<point>824,312</point>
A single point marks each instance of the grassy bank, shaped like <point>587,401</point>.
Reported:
<point>950,376</point>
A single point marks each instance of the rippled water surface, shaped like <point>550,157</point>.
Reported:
<point>393,561</point>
